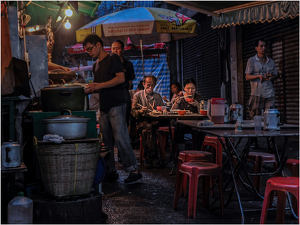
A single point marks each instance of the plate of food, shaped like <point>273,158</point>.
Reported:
<point>175,111</point>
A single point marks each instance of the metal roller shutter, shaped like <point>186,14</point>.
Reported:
<point>200,60</point>
<point>283,47</point>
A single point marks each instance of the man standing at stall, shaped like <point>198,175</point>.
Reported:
<point>117,47</point>
<point>144,102</point>
<point>261,71</point>
<point>108,82</point>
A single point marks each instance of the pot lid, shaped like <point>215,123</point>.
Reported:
<point>64,86</point>
<point>66,118</point>
<point>10,143</point>
<point>272,111</point>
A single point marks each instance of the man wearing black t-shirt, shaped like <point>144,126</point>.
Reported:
<point>109,83</point>
<point>117,47</point>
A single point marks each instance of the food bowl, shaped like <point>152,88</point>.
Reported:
<point>189,100</point>
<point>181,112</point>
<point>203,112</point>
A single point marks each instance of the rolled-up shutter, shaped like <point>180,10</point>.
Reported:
<point>283,47</point>
<point>200,60</point>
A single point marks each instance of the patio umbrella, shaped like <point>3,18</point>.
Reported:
<point>144,24</point>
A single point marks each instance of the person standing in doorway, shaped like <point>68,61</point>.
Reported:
<point>117,47</point>
<point>109,82</point>
<point>261,72</point>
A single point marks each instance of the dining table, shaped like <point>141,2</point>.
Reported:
<point>226,133</point>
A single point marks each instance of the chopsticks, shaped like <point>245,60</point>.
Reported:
<point>188,96</point>
<point>138,104</point>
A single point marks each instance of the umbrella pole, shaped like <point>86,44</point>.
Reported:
<point>141,45</point>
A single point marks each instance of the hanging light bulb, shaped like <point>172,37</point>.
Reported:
<point>69,12</point>
<point>67,25</point>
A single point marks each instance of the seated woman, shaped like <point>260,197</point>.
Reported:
<point>189,101</point>
<point>176,90</point>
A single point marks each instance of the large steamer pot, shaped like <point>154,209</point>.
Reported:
<point>68,126</point>
<point>60,97</point>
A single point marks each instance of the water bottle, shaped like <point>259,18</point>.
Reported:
<point>20,210</point>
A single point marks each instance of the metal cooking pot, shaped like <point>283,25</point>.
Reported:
<point>63,96</point>
<point>11,154</point>
<point>67,126</point>
<point>271,118</point>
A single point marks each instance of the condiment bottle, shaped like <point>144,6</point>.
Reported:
<point>238,125</point>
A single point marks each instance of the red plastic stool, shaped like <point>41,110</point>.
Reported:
<point>258,158</point>
<point>191,156</point>
<point>195,170</point>
<point>282,185</point>
<point>162,134</point>
<point>293,166</point>
<point>214,142</point>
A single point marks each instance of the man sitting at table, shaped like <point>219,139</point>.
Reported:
<point>144,102</point>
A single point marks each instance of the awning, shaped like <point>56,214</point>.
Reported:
<point>262,13</point>
<point>79,49</point>
<point>39,11</point>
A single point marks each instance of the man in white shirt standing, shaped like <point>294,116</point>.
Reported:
<point>261,71</point>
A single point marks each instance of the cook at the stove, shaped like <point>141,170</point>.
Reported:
<point>109,83</point>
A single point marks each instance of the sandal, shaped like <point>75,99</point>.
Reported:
<point>133,176</point>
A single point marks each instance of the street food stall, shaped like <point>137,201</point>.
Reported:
<point>56,170</point>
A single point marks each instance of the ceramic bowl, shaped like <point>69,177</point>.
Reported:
<point>181,112</point>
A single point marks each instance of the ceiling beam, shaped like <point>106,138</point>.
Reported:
<point>193,6</point>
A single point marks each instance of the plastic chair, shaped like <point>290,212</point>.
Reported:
<point>282,185</point>
<point>191,156</point>
<point>163,134</point>
<point>195,170</point>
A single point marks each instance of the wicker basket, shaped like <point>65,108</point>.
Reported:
<point>68,169</point>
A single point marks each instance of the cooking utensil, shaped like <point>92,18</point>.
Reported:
<point>236,112</point>
<point>271,118</point>
<point>67,126</point>
<point>60,97</point>
<point>11,154</point>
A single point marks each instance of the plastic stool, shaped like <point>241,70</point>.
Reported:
<point>195,170</point>
<point>191,156</point>
<point>258,158</point>
<point>282,185</point>
<point>162,134</point>
<point>214,142</point>
<point>293,166</point>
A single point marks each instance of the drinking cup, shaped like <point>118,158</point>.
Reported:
<point>257,122</point>
<point>163,108</point>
